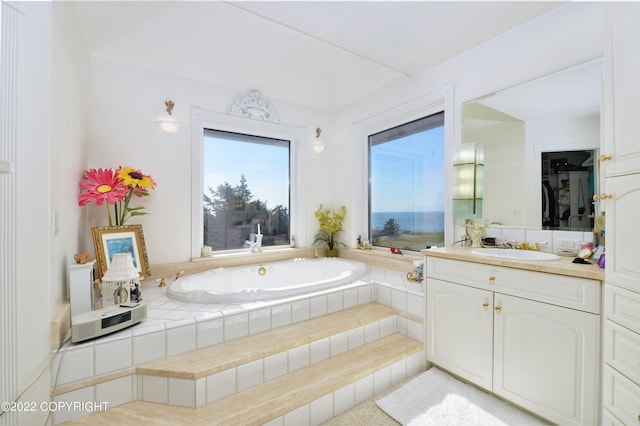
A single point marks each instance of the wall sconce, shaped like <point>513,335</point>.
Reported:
<point>169,125</point>
<point>468,171</point>
<point>317,144</point>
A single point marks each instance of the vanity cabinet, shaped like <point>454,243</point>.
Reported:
<point>531,338</point>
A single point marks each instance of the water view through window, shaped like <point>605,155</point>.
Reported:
<point>406,185</point>
<point>246,189</point>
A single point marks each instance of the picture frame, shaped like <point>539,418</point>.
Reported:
<point>109,240</point>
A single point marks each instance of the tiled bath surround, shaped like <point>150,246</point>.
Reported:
<point>104,369</point>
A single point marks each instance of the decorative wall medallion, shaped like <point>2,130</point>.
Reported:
<point>254,106</point>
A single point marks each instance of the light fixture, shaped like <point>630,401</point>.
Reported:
<point>468,170</point>
<point>317,144</point>
<point>123,278</point>
<point>169,125</point>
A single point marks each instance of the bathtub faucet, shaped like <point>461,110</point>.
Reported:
<point>255,246</point>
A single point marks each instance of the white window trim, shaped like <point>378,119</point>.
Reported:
<point>441,100</point>
<point>201,120</point>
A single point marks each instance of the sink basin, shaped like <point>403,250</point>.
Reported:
<point>513,254</point>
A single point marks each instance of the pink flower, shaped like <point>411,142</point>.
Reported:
<point>101,185</point>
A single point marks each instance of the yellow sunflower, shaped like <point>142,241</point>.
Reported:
<point>135,178</point>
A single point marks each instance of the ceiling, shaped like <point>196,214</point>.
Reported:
<point>320,54</point>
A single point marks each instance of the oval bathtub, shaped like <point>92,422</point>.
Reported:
<point>265,281</point>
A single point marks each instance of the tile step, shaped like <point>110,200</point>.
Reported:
<point>224,356</point>
<point>309,395</point>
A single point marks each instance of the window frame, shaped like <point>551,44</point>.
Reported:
<point>438,101</point>
<point>201,120</point>
<point>371,144</point>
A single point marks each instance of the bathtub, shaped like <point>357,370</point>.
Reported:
<point>265,281</point>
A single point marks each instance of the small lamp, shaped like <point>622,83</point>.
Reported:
<point>468,169</point>
<point>169,125</point>
<point>317,144</point>
<point>124,278</point>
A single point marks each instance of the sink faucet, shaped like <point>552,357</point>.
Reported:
<point>258,242</point>
<point>524,245</point>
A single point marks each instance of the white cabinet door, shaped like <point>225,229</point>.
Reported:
<point>546,358</point>
<point>622,134</point>
<point>620,396</point>
<point>622,265</point>
<point>460,330</point>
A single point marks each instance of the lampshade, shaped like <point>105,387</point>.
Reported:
<point>318,146</point>
<point>121,268</point>
<point>468,168</point>
<point>169,126</point>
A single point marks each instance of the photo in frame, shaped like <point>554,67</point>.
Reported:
<point>109,240</point>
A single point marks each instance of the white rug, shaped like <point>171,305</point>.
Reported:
<point>436,398</point>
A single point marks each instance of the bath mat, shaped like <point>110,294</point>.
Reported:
<point>436,398</point>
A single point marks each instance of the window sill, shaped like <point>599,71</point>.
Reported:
<point>383,258</point>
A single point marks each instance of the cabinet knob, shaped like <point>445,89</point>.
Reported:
<point>596,197</point>
<point>485,306</point>
<point>492,278</point>
<point>605,157</point>
<point>498,308</point>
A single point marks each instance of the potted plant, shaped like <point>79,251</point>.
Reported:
<point>330,226</point>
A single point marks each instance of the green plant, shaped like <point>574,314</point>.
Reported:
<point>330,226</point>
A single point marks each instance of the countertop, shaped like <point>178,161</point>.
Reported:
<point>563,266</point>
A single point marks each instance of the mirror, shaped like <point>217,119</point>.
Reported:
<point>527,131</point>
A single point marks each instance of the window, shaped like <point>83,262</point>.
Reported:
<point>406,185</point>
<point>246,189</point>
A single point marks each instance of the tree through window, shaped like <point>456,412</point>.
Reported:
<point>246,185</point>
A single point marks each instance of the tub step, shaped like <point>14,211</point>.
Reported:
<point>207,375</point>
<point>214,359</point>
<point>310,395</point>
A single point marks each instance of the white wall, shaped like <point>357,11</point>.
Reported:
<point>504,172</point>
<point>567,36</point>
<point>70,77</point>
<point>124,103</point>
<point>51,150</point>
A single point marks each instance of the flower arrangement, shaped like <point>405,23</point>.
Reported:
<point>115,187</point>
<point>330,226</point>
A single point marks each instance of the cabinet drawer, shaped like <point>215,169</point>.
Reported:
<point>621,396</point>
<point>622,350</point>
<point>622,306</point>
<point>571,292</point>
